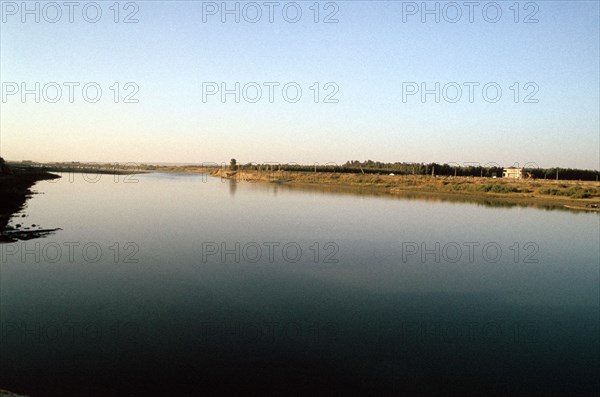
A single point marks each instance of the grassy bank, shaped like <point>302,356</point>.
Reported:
<point>573,194</point>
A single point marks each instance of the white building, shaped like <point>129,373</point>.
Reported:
<point>513,172</point>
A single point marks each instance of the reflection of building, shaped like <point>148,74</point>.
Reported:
<point>513,172</point>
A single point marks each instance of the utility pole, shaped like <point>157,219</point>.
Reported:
<point>557,174</point>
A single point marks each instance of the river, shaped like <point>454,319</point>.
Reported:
<point>183,282</point>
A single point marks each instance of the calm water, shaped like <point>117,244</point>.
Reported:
<point>179,283</point>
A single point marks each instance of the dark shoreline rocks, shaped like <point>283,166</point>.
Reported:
<point>15,189</point>
<point>6,393</point>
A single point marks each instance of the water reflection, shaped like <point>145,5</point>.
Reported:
<point>491,202</point>
<point>232,187</point>
<point>77,312</point>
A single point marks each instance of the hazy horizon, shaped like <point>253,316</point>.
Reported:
<point>370,53</point>
<point>330,163</point>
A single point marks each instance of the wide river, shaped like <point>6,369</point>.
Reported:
<point>170,283</point>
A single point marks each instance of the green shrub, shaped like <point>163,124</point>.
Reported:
<point>552,192</point>
<point>497,188</point>
<point>573,191</point>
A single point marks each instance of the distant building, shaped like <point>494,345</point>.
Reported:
<point>513,172</point>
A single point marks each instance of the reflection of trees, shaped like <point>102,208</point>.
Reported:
<point>232,187</point>
<point>508,202</point>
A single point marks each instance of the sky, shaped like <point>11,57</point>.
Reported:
<point>354,73</point>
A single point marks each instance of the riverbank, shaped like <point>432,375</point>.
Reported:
<point>6,393</point>
<point>15,189</point>
<point>576,195</point>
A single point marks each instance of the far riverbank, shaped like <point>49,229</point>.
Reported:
<point>576,195</point>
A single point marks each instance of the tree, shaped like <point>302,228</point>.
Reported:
<point>233,164</point>
<point>4,168</point>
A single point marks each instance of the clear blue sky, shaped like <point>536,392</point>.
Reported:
<point>368,54</point>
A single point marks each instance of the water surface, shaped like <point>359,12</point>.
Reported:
<point>183,282</point>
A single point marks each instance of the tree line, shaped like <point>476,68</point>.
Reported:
<point>436,169</point>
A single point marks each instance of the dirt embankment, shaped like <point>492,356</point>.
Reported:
<point>583,195</point>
